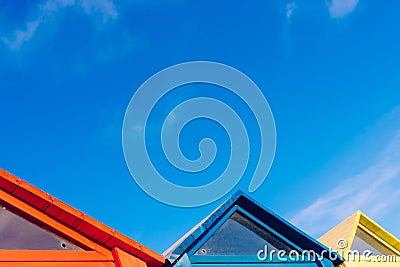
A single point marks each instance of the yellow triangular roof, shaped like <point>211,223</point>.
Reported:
<point>341,237</point>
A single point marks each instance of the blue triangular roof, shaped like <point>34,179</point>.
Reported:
<point>278,224</point>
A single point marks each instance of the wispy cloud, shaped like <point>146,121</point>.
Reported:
<point>373,190</point>
<point>22,36</point>
<point>341,8</point>
<point>290,8</point>
<point>105,8</point>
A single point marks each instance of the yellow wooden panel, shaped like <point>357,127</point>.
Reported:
<point>381,233</point>
<point>345,230</point>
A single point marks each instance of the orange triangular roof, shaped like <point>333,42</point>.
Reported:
<point>72,223</point>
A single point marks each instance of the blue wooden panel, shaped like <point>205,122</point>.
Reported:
<point>253,261</point>
<point>182,254</point>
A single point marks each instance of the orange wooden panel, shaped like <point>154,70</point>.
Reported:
<point>7,181</point>
<point>100,232</point>
<point>124,259</point>
<point>57,264</point>
<point>87,231</point>
<point>51,256</point>
<point>142,252</point>
<point>32,195</point>
<point>65,213</point>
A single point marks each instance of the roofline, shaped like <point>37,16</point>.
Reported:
<point>383,234</point>
<point>263,214</point>
<point>75,219</point>
<point>185,243</point>
<point>308,242</point>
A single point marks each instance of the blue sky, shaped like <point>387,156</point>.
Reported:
<point>329,70</point>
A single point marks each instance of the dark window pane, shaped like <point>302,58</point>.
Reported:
<point>16,233</point>
<point>364,241</point>
<point>239,235</point>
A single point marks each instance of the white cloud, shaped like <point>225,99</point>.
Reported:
<point>52,6</point>
<point>105,8</point>
<point>374,190</point>
<point>290,8</point>
<point>341,8</point>
<point>22,36</point>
